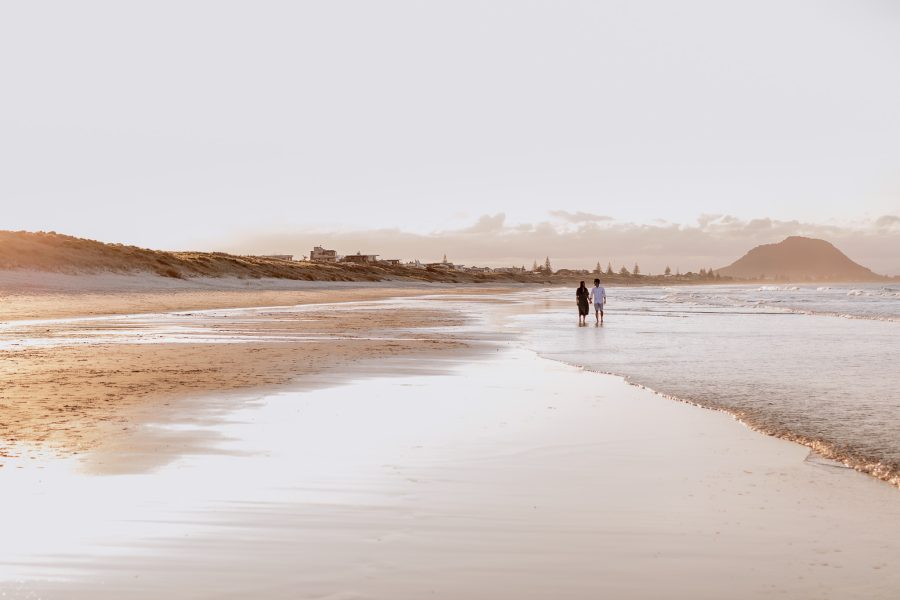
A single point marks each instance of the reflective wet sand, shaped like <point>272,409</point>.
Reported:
<point>484,473</point>
<point>72,384</point>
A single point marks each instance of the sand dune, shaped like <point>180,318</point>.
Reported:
<point>57,253</point>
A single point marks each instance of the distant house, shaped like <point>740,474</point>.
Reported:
<point>392,262</point>
<point>571,272</point>
<point>276,256</point>
<point>445,266</point>
<point>320,254</point>
<point>510,270</point>
<point>361,258</point>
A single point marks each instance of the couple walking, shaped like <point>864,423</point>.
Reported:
<point>596,296</point>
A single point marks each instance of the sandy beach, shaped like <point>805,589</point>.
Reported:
<point>34,295</point>
<point>499,300</point>
<point>387,451</point>
<point>72,383</point>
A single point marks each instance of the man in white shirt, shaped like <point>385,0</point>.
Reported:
<point>598,297</point>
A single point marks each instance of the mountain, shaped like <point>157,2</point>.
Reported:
<point>798,258</point>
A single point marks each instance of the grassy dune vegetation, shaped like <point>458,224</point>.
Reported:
<point>54,252</point>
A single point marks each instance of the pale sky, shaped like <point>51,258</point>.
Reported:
<point>263,126</point>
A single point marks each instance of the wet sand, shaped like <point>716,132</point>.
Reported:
<point>39,295</point>
<point>486,472</point>
<point>74,384</point>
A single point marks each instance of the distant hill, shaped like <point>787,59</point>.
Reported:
<point>799,259</point>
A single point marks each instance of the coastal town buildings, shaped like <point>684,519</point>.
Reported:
<point>443,266</point>
<point>360,258</point>
<point>320,254</point>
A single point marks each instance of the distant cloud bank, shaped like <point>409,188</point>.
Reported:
<point>579,216</point>
<point>580,240</point>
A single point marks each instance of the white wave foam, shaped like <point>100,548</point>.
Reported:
<point>879,293</point>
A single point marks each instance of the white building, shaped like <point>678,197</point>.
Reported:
<point>320,254</point>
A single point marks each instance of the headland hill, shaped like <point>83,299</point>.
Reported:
<point>795,259</point>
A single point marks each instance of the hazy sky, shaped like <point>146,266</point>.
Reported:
<point>261,126</point>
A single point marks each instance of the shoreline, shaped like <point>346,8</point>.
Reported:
<point>567,482</point>
<point>30,294</point>
<point>821,449</point>
<point>881,466</point>
<point>318,295</point>
<point>475,468</point>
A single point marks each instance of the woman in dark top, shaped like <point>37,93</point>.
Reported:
<point>584,307</point>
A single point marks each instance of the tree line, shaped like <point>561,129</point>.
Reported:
<point>704,273</point>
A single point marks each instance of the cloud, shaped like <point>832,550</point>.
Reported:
<point>888,222</point>
<point>712,241</point>
<point>579,216</point>
<point>486,224</point>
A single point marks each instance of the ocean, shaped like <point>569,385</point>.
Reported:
<point>813,364</point>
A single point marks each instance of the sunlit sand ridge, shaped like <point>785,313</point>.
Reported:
<point>73,383</point>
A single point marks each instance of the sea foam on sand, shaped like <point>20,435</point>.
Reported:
<point>509,477</point>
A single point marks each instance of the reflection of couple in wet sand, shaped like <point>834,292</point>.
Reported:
<point>584,298</point>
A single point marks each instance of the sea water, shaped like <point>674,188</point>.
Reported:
<point>814,364</point>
